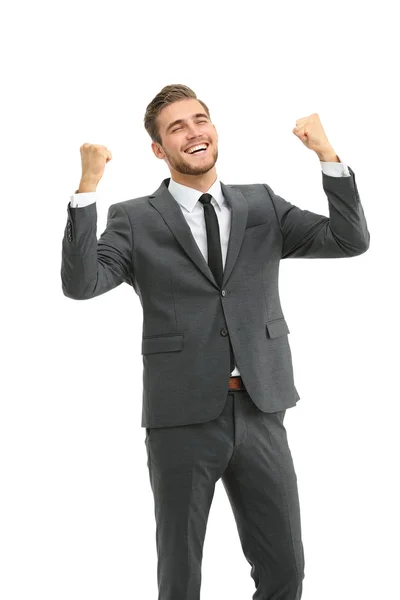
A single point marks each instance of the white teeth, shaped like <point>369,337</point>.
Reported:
<point>193,148</point>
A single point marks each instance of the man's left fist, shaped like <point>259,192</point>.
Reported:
<point>310,131</point>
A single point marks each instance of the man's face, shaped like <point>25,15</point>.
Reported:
<point>195,128</point>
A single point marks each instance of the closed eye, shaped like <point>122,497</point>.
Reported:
<point>178,128</point>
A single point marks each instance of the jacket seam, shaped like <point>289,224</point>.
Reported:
<point>132,243</point>
<point>274,207</point>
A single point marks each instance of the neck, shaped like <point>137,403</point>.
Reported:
<point>201,182</point>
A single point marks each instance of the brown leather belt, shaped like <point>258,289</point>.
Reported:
<point>236,383</point>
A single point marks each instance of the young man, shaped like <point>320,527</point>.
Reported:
<point>203,257</point>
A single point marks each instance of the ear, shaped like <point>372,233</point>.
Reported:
<point>157,150</point>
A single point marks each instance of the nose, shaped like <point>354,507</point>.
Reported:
<point>193,131</point>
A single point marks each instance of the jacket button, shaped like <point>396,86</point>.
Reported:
<point>224,332</point>
<point>223,293</point>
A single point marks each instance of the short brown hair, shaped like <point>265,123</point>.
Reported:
<point>168,95</point>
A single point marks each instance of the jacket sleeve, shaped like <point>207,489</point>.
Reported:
<point>91,267</point>
<point>307,234</point>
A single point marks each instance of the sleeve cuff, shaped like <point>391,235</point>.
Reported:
<point>335,169</point>
<point>84,199</point>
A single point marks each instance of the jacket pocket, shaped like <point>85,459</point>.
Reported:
<point>166,343</point>
<point>277,327</point>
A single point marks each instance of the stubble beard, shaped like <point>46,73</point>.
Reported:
<point>187,168</point>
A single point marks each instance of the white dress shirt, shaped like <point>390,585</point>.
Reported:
<point>193,210</point>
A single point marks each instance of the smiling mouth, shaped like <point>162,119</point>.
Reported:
<point>198,152</point>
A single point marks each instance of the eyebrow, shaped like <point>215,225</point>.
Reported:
<point>182,120</point>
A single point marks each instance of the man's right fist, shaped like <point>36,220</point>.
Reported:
<point>94,158</point>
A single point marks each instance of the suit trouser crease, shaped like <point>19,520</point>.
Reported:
<point>248,449</point>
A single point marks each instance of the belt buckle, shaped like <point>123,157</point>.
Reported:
<point>239,385</point>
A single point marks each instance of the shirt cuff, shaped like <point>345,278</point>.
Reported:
<point>335,169</point>
<point>83,199</point>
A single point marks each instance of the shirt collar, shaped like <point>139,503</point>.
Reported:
<point>188,197</point>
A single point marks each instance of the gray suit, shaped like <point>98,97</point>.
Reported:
<point>187,319</point>
<point>188,324</point>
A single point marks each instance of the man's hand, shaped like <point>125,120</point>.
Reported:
<point>310,131</point>
<point>94,158</point>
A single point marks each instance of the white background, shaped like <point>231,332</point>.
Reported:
<point>76,506</point>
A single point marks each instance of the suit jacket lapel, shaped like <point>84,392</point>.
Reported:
<point>166,205</point>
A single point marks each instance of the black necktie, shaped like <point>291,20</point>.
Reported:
<point>214,248</point>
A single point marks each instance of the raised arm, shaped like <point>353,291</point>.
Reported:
<point>91,267</point>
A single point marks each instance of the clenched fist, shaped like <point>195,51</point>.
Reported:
<point>94,158</point>
<point>310,131</point>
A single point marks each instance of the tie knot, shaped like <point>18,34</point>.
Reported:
<point>205,199</point>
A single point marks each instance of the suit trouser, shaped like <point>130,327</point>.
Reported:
<point>249,450</point>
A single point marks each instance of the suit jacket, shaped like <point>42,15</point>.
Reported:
<point>188,319</point>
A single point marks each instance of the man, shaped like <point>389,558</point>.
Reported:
<point>203,258</point>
